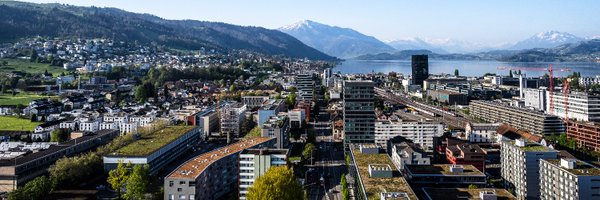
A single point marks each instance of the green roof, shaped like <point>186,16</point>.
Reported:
<point>581,168</point>
<point>149,143</point>
<point>534,147</point>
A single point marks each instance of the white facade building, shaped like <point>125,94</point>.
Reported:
<point>255,162</point>
<point>406,154</point>
<point>582,106</point>
<point>420,132</point>
<point>482,133</point>
<point>535,98</point>
<point>568,179</point>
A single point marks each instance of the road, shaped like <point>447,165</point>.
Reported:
<point>329,162</point>
<point>448,118</point>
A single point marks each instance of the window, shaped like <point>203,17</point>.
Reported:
<point>171,183</point>
<point>181,182</point>
<point>182,196</point>
<point>179,189</point>
<point>171,197</point>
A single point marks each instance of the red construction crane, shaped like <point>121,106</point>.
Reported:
<point>566,101</point>
<point>550,70</point>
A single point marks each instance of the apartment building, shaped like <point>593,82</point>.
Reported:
<point>420,132</point>
<point>535,98</point>
<point>232,116</point>
<point>210,175</point>
<point>254,101</point>
<point>305,85</point>
<point>481,132</point>
<point>277,127</point>
<point>255,163</point>
<point>520,165</point>
<point>528,120</point>
<point>270,108</point>
<point>359,111</point>
<point>466,154</point>
<point>568,178</point>
<point>587,134</point>
<point>406,153</point>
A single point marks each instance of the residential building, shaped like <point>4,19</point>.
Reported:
<point>157,149</point>
<point>232,116</point>
<point>587,134</point>
<point>529,120</point>
<point>326,77</point>
<point>448,97</point>
<point>21,162</point>
<point>466,154</point>
<point>270,108</point>
<point>420,69</point>
<point>255,163</point>
<point>406,153</point>
<point>359,111</point>
<point>520,165</point>
<point>582,106</point>
<point>444,174</point>
<point>277,127</point>
<point>297,118</point>
<point>419,132</point>
<point>481,132</point>
<point>431,193</point>
<point>305,86</point>
<point>568,178</point>
<point>211,175</point>
<point>254,101</point>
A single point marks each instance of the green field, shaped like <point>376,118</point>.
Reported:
<point>16,124</point>
<point>9,99</point>
<point>29,67</point>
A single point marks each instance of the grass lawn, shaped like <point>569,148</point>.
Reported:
<point>17,124</point>
<point>147,144</point>
<point>9,99</point>
<point>26,66</point>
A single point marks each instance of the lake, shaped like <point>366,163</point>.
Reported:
<point>465,67</point>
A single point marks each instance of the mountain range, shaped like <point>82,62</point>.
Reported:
<point>19,20</point>
<point>335,41</point>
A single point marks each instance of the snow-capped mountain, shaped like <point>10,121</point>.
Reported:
<point>335,41</point>
<point>441,46</point>
<point>548,39</point>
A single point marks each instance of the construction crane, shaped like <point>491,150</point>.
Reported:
<point>566,101</point>
<point>550,71</point>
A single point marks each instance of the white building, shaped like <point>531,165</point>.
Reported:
<point>90,126</point>
<point>407,154</point>
<point>297,117</point>
<point>255,162</point>
<point>232,116</point>
<point>535,98</point>
<point>484,133</point>
<point>568,179</point>
<point>420,132</point>
<point>582,106</point>
<point>519,164</point>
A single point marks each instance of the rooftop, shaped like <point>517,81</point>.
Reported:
<point>464,193</point>
<point>375,186</point>
<point>443,169</point>
<point>194,167</point>
<point>149,143</point>
<point>581,168</point>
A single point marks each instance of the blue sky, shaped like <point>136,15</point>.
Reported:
<point>485,22</point>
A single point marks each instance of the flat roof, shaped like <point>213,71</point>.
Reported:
<point>375,186</point>
<point>443,169</point>
<point>581,168</point>
<point>149,143</point>
<point>192,168</point>
<point>464,193</point>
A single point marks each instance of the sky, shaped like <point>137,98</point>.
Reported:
<point>483,22</point>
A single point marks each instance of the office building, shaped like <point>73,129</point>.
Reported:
<point>535,98</point>
<point>156,149</point>
<point>419,132</point>
<point>420,69</point>
<point>232,116</point>
<point>519,164</point>
<point>211,175</point>
<point>568,178</point>
<point>525,119</point>
<point>359,111</point>
<point>448,97</point>
<point>326,77</point>
<point>277,127</point>
<point>255,163</point>
<point>582,106</point>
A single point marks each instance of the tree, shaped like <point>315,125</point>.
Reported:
<point>59,135</point>
<point>344,185</point>
<point>510,73</point>
<point>472,186</point>
<point>456,72</point>
<point>278,183</point>
<point>118,177</point>
<point>138,182</point>
<point>144,91</point>
<point>308,151</point>
<point>33,56</point>
<point>37,188</point>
